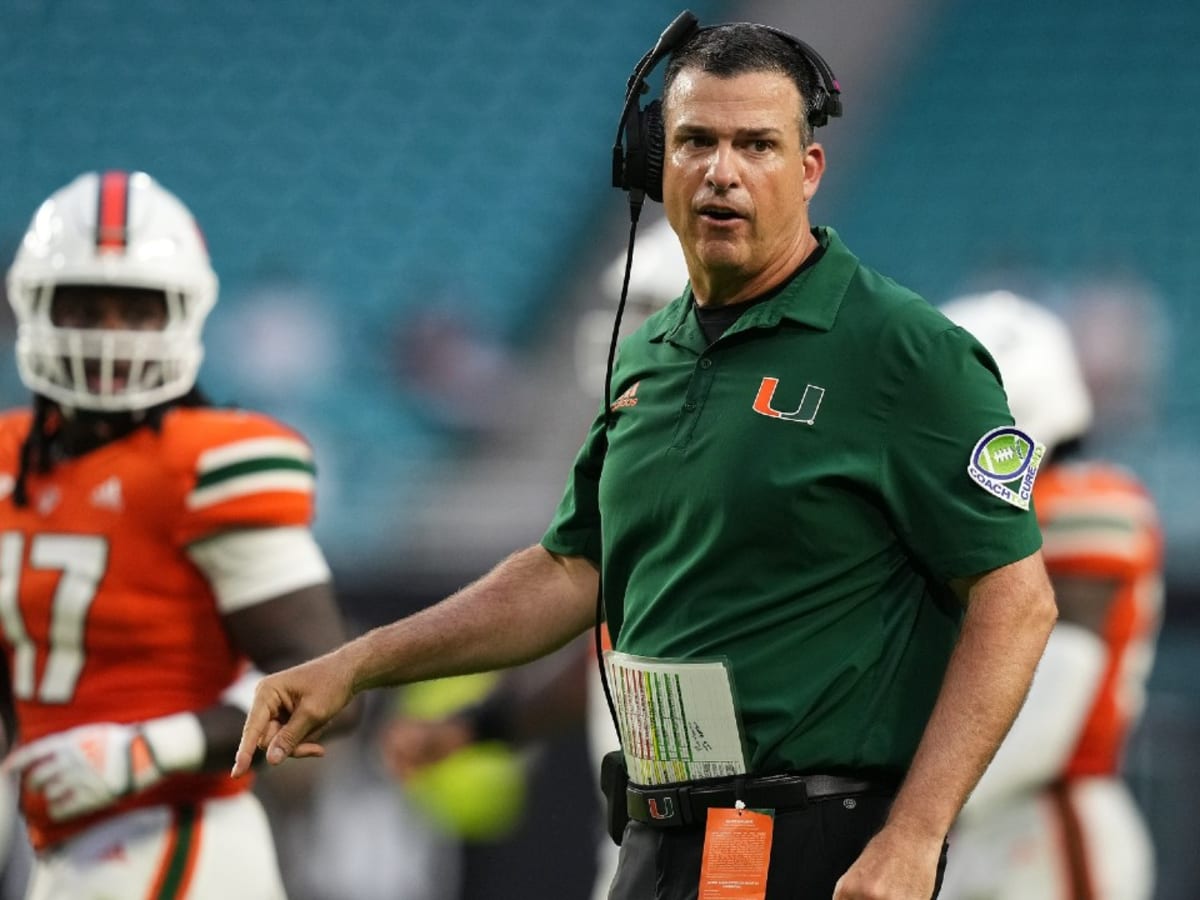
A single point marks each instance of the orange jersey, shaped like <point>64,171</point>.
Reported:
<point>1098,521</point>
<point>105,617</point>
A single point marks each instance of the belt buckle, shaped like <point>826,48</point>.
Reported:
<point>666,805</point>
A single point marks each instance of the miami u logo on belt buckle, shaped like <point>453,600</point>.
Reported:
<point>666,812</point>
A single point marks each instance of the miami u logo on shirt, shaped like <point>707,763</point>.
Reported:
<point>805,413</point>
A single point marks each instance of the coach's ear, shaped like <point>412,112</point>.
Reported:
<point>814,169</point>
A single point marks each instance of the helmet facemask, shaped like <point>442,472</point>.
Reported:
<point>108,369</point>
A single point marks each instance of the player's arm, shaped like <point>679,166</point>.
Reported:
<point>1010,612</point>
<point>532,603</point>
<point>8,711</point>
<point>281,632</point>
<point>275,592</point>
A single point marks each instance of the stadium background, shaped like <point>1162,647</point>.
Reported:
<point>407,203</point>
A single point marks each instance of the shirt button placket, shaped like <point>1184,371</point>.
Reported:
<point>697,392</point>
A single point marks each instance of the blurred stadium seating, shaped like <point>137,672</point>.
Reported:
<point>375,154</point>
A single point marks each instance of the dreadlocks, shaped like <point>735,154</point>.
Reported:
<point>44,442</point>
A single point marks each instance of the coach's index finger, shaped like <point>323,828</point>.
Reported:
<point>253,733</point>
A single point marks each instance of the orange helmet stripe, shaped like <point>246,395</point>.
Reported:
<point>112,212</point>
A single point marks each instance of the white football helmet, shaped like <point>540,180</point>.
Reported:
<point>121,230</point>
<point>1038,363</point>
<point>659,275</point>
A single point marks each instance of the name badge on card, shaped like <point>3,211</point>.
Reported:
<point>737,854</point>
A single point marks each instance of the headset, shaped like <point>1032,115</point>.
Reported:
<point>641,141</point>
<point>637,167</point>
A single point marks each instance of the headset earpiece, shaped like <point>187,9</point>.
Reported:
<point>654,137</point>
<point>818,112</point>
<point>826,100</point>
<point>640,166</point>
<point>638,151</point>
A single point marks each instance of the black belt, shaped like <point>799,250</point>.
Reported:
<point>674,805</point>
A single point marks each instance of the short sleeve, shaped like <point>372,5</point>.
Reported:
<point>949,397</point>
<point>254,565</point>
<point>575,529</point>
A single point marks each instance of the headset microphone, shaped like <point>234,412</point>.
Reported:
<point>629,157</point>
<point>674,35</point>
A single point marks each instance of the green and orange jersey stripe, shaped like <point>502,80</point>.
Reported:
<point>179,856</point>
<point>112,212</point>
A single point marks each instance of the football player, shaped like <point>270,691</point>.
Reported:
<point>155,557</point>
<point>1052,817</point>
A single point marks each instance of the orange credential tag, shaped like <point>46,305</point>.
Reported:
<point>737,854</point>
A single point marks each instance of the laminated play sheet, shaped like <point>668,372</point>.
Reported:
<point>678,720</point>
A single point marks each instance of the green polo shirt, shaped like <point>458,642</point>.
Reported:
<point>793,498</point>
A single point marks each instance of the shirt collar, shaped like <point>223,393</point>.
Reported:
<point>813,298</point>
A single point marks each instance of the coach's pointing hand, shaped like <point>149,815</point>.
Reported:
<point>291,708</point>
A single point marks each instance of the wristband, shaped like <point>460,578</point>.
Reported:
<point>176,742</point>
<point>240,693</point>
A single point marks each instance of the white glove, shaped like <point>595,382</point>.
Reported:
<point>90,767</point>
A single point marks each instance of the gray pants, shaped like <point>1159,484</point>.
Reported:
<point>811,849</point>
